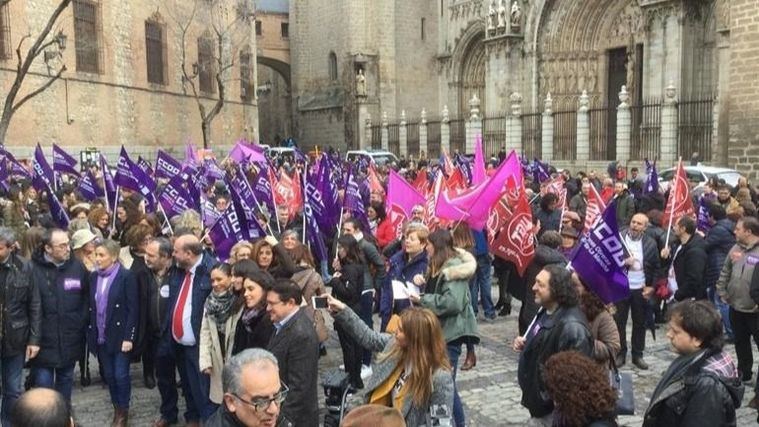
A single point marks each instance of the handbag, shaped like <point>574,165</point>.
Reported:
<point>622,384</point>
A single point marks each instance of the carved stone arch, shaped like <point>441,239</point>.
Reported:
<point>157,18</point>
<point>475,30</point>
<point>468,64</point>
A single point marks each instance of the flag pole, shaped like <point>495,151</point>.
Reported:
<point>115,208</point>
<point>165,218</point>
<point>671,196</point>
<point>305,199</point>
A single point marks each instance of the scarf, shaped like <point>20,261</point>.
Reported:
<point>248,315</point>
<point>103,286</point>
<point>219,307</point>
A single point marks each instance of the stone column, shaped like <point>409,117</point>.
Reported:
<point>445,131</point>
<point>668,144</point>
<point>403,136</point>
<point>473,125</point>
<point>367,144</point>
<point>422,134</point>
<point>547,130</point>
<point>514,124</point>
<point>385,134</point>
<point>583,129</point>
<point>624,126</point>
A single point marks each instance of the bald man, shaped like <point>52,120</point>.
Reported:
<point>41,407</point>
<point>189,284</point>
<point>643,265</point>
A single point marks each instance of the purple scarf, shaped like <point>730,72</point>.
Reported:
<point>101,296</point>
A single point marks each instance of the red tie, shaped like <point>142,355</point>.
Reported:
<point>176,325</point>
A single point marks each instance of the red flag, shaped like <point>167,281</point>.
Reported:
<point>595,207</point>
<point>679,203</point>
<point>456,183</point>
<point>515,240</point>
<point>556,186</point>
<point>287,193</point>
<point>420,183</point>
<point>375,186</point>
<point>447,164</point>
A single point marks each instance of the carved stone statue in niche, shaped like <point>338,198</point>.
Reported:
<point>360,84</point>
<point>581,79</point>
<point>516,17</point>
<point>592,77</point>
<point>571,86</point>
<point>492,16</point>
<point>502,15</point>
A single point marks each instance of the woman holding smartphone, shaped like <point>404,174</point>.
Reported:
<point>347,284</point>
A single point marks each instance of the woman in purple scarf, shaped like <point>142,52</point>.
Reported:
<point>113,324</point>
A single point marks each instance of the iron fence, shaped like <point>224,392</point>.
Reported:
<point>532,135</point>
<point>433,140</point>
<point>376,142</point>
<point>493,133</point>
<point>393,139</point>
<point>565,135</point>
<point>695,122</point>
<point>601,144</point>
<point>412,135</point>
<point>458,135</point>
<point>645,136</point>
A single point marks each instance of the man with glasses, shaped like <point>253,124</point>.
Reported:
<point>296,347</point>
<point>253,392</point>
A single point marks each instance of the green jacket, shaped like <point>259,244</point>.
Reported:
<point>448,297</point>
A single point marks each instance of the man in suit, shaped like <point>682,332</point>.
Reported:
<point>296,347</point>
<point>189,285</point>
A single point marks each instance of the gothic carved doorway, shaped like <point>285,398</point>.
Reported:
<point>473,76</point>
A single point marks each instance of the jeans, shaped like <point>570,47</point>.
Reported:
<point>367,304</point>
<point>636,304</point>
<point>12,370</point>
<point>195,386</point>
<point>454,351</point>
<point>351,355</point>
<point>724,311</point>
<point>116,371</point>
<point>745,326</point>
<point>59,379</point>
<point>166,379</point>
<point>481,285</point>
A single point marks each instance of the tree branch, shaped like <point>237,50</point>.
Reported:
<point>39,89</point>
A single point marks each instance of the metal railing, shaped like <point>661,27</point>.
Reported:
<point>695,123</point>
<point>393,139</point>
<point>600,134</point>
<point>376,142</point>
<point>645,136</point>
<point>433,139</point>
<point>532,135</point>
<point>493,133</point>
<point>565,135</point>
<point>458,135</point>
<point>412,135</point>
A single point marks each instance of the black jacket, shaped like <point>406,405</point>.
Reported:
<point>21,308</point>
<point>694,396</point>
<point>64,295</point>
<point>651,259</point>
<point>223,418</point>
<point>261,331</point>
<point>121,314</point>
<point>718,242</point>
<point>690,265</point>
<point>566,329</point>
<point>201,287</point>
<point>625,209</point>
<point>296,347</point>
<point>543,256</point>
<point>348,287</point>
<point>147,293</point>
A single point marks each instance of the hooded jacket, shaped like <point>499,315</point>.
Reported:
<point>403,270</point>
<point>718,242</point>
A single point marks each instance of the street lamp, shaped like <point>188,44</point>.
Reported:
<point>60,40</point>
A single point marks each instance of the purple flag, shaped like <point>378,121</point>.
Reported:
<point>16,168</point>
<point>42,173</point>
<point>63,162</point>
<point>600,258</point>
<point>111,192</point>
<point>312,202</point>
<point>263,190</point>
<point>354,202</point>
<point>189,155</point>
<point>245,152</point>
<point>129,175</point>
<point>251,228</point>
<point>329,216</point>
<point>238,182</point>
<point>144,166</point>
<point>213,170</point>
<point>175,198</point>
<point>166,166</point>
<point>208,212</point>
<point>466,168</point>
<point>60,217</point>
<point>703,211</point>
<point>652,178</point>
<point>226,232</point>
<point>540,171</point>
<point>4,174</point>
<point>88,187</point>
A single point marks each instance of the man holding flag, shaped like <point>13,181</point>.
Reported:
<point>686,274</point>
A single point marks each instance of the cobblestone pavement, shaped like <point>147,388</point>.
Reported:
<point>490,392</point>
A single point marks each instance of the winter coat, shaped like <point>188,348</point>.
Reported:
<point>566,329</point>
<point>146,292</point>
<point>21,309</point>
<point>543,256</point>
<point>549,220</point>
<point>704,392</point>
<point>311,285</point>
<point>651,258</point>
<point>579,204</point>
<point>625,209</point>
<point>447,295</point>
<point>735,279</point>
<point>64,296</point>
<point>201,287</point>
<point>606,338</point>
<point>383,368</point>
<point>374,276</point>
<point>348,287</point>
<point>223,418</point>
<point>403,270</point>
<point>719,240</point>
<point>690,265</point>
<point>385,233</point>
<point>211,355</point>
<point>121,313</point>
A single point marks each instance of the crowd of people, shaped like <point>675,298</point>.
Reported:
<point>245,339</point>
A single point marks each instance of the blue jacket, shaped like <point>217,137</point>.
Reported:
<point>404,271</point>
<point>201,287</point>
<point>121,314</point>
<point>719,240</point>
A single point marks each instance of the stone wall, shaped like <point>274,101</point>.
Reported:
<point>117,107</point>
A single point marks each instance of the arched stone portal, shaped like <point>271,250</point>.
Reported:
<point>274,101</point>
<point>473,75</point>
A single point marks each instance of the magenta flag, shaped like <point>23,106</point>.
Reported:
<point>401,199</point>
<point>243,152</point>
<point>473,206</point>
<point>479,175</point>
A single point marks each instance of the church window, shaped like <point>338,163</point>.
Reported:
<point>259,28</point>
<point>87,33</point>
<point>332,66</point>
<point>285,29</point>
<point>206,69</point>
<point>155,51</point>
<point>5,33</point>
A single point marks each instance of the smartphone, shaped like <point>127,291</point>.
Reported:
<point>319,302</point>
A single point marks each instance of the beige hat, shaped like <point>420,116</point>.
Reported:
<point>81,238</point>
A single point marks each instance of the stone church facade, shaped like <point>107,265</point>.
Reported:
<point>687,66</point>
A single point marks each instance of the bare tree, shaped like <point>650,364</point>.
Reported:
<point>226,29</point>
<point>40,45</point>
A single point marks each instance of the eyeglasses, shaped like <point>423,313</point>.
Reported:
<point>262,404</point>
